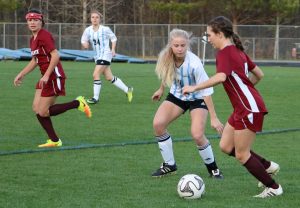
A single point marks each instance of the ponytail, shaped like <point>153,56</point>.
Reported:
<point>237,41</point>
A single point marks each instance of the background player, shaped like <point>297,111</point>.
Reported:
<point>99,36</point>
<point>51,84</point>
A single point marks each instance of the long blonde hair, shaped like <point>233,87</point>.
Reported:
<point>165,67</point>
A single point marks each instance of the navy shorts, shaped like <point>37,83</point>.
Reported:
<point>186,105</point>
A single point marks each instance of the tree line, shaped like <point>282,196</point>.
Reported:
<point>272,12</point>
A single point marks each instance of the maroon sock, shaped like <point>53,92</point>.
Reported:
<point>47,125</point>
<point>61,108</point>
<point>254,166</point>
<point>263,161</point>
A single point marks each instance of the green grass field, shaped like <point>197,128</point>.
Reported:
<point>106,161</point>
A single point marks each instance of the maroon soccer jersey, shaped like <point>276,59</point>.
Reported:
<point>240,90</point>
<point>41,47</point>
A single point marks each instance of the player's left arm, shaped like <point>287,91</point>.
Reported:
<point>256,75</point>
<point>53,63</point>
<point>214,120</point>
<point>113,48</point>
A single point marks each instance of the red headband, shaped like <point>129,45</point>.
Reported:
<point>34,16</point>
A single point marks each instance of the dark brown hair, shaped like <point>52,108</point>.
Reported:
<point>224,25</point>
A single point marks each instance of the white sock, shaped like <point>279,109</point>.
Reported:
<point>118,83</point>
<point>206,153</point>
<point>97,89</point>
<point>166,148</point>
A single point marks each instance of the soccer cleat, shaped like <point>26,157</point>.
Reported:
<point>50,143</point>
<point>130,94</point>
<point>272,170</point>
<point>217,174</point>
<point>269,192</point>
<point>165,169</point>
<point>92,101</point>
<point>84,107</point>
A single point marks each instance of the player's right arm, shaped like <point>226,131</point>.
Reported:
<point>158,93</point>
<point>30,67</point>
<point>85,39</point>
<point>256,75</point>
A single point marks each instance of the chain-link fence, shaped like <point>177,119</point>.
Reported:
<point>146,40</point>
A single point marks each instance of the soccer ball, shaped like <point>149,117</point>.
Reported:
<point>190,186</point>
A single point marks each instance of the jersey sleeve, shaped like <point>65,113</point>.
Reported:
<point>250,63</point>
<point>85,36</point>
<point>48,43</point>
<point>112,36</point>
<point>201,76</point>
<point>223,63</point>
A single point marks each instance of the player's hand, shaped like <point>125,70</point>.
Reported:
<point>188,89</point>
<point>217,125</point>
<point>157,95</point>
<point>43,81</point>
<point>18,80</point>
<point>113,53</point>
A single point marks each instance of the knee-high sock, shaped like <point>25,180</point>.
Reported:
<point>47,125</point>
<point>97,88</point>
<point>264,162</point>
<point>57,109</point>
<point>166,148</point>
<point>120,84</point>
<point>207,155</point>
<point>255,167</point>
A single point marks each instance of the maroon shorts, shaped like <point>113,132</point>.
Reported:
<point>253,122</point>
<point>54,87</point>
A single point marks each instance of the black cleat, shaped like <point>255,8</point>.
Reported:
<point>217,174</point>
<point>165,169</point>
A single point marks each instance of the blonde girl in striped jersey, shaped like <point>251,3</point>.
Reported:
<point>177,67</point>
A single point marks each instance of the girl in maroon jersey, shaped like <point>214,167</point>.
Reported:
<point>51,84</point>
<point>233,67</point>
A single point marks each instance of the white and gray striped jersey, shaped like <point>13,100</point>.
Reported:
<point>191,72</point>
<point>100,41</point>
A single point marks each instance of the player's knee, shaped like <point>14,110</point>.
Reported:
<point>241,157</point>
<point>35,109</point>
<point>43,113</point>
<point>225,148</point>
<point>159,127</point>
<point>199,137</point>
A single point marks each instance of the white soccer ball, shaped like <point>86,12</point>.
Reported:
<point>190,186</point>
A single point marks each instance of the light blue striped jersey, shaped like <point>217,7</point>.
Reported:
<point>191,72</point>
<point>100,41</point>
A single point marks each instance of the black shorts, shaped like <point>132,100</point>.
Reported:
<point>102,62</point>
<point>186,105</point>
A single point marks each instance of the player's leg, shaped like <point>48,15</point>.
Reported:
<point>243,140</point>
<point>118,83</point>
<point>40,107</point>
<point>166,113</point>
<point>79,103</point>
<point>227,146</point>
<point>198,123</point>
<point>97,84</point>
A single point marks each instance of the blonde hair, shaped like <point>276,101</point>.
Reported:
<point>94,11</point>
<point>165,67</point>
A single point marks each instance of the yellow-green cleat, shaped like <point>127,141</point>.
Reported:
<point>84,107</point>
<point>50,143</point>
<point>130,94</point>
